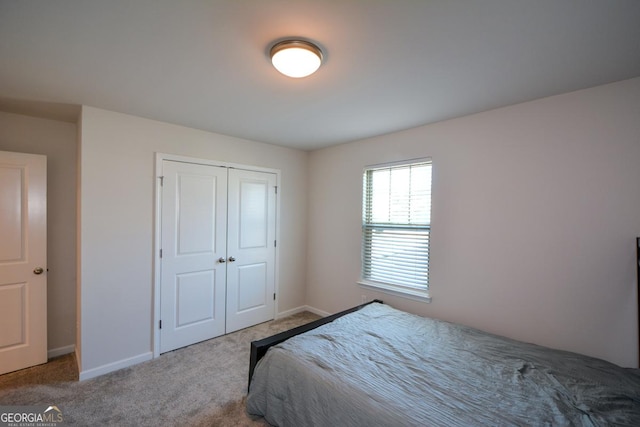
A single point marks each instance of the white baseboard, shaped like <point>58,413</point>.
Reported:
<point>301,309</point>
<point>61,351</point>
<point>110,367</point>
<point>317,311</point>
<point>291,312</point>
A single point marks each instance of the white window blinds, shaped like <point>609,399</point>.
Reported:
<point>396,224</point>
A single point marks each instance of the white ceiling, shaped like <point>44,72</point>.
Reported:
<point>389,64</point>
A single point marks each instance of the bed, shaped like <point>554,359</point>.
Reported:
<point>374,365</point>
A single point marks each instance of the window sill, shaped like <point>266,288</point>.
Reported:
<point>399,291</point>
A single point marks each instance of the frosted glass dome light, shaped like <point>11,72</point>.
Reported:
<point>296,58</point>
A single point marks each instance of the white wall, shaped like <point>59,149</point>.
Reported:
<point>536,208</point>
<point>116,226</point>
<point>57,140</point>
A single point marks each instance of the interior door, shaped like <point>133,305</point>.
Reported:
<point>23,255</point>
<point>251,231</point>
<point>193,273</point>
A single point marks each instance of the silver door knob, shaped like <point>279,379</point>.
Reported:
<point>231,259</point>
<point>222,260</point>
<point>38,270</point>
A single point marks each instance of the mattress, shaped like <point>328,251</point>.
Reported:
<point>383,367</point>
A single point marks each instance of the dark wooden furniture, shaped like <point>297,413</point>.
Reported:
<point>259,348</point>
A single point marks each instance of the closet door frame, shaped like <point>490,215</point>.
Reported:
<point>157,240</point>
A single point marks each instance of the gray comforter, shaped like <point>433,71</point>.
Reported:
<point>383,367</point>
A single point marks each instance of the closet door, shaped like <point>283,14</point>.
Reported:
<point>251,231</point>
<point>193,263</point>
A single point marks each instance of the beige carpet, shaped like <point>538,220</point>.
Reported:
<point>201,385</point>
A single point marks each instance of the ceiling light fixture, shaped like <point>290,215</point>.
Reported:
<point>296,58</point>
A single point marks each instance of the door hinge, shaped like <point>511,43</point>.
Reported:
<point>274,296</point>
<point>160,253</point>
<point>275,243</point>
<point>276,187</point>
<point>160,324</point>
<point>161,180</point>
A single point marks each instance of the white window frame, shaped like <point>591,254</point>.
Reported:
<point>412,292</point>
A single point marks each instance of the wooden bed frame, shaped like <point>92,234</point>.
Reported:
<point>259,348</point>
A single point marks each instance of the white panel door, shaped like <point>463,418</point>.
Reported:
<point>193,273</point>
<point>251,231</point>
<point>23,258</point>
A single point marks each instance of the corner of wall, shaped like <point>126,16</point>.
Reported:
<point>78,349</point>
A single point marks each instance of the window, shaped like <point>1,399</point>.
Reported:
<point>396,226</point>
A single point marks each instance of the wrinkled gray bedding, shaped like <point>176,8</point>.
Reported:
<point>383,367</point>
